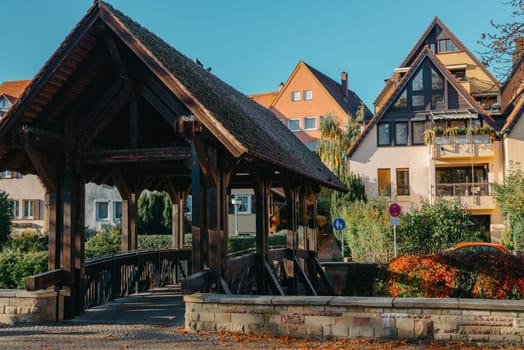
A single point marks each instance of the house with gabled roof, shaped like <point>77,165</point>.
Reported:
<point>434,132</point>
<point>9,92</point>
<point>25,192</point>
<point>306,97</point>
<point>512,131</point>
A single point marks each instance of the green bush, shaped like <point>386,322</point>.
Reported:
<point>154,242</point>
<point>104,243</point>
<point>28,241</point>
<point>435,227</point>
<point>16,266</point>
<point>368,230</point>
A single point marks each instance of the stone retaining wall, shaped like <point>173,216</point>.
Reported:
<point>20,306</point>
<point>446,320</point>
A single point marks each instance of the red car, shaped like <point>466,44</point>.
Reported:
<point>478,247</point>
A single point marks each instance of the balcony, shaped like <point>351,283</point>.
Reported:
<point>462,146</point>
<point>473,195</point>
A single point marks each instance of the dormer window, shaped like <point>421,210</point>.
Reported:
<point>446,45</point>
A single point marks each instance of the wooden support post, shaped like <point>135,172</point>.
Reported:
<point>291,190</point>
<point>129,222</point>
<point>72,223</point>
<point>177,221</point>
<point>262,186</point>
<point>73,237</point>
<point>129,194</point>
<point>52,203</point>
<point>196,230</point>
<point>178,193</point>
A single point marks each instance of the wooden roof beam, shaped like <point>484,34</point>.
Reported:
<point>103,113</point>
<point>37,138</point>
<point>163,100</point>
<point>137,155</point>
<point>122,70</point>
<point>45,166</point>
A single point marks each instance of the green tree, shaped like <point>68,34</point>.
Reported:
<point>500,45</point>
<point>335,140</point>
<point>510,198</point>
<point>336,136</point>
<point>5,217</point>
<point>152,211</point>
<point>435,227</point>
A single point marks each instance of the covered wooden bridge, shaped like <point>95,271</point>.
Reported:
<point>117,105</point>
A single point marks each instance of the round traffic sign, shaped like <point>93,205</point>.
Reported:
<point>394,210</point>
<point>339,224</point>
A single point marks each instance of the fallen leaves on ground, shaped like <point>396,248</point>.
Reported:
<point>271,342</point>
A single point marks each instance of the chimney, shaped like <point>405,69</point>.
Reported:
<point>519,49</point>
<point>280,86</point>
<point>344,83</point>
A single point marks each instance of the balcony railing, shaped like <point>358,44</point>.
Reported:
<point>462,146</point>
<point>463,189</point>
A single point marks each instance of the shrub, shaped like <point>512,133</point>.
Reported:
<point>104,243</point>
<point>28,241</point>
<point>481,275</point>
<point>154,242</point>
<point>368,230</point>
<point>435,227</point>
<point>16,266</point>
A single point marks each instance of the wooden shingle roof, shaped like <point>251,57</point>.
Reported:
<point>245,128</point>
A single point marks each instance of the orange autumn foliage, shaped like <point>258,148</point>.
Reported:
<point>484,275</point>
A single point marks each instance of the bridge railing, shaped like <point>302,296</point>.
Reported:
<point>114,276</point>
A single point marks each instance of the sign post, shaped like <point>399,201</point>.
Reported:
<point>339,224</point>
<point>394,212</point>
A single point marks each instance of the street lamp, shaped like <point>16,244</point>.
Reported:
<point>236,202</point>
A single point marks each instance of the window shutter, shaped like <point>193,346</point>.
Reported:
<point>253,205</point>
<point>230,206</point>
<point>36,209</point>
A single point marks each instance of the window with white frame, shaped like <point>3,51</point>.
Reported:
<point>245,206</point>
<point>293,124</point>
<point>7,174</point>
<point>102,210</point>
<point>308,95</point>
<point>117,210</point>
<point>29,209</point>
<point>15,208</point>
<point>310,123</point>
<point>295,96</point>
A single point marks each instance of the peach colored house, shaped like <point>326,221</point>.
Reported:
<point>25,192</point>
<point>307,96</point>
<point>436,130</point>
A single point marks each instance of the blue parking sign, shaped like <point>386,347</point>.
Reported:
<point>339,224</point>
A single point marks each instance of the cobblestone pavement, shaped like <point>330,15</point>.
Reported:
<point>154,320</point>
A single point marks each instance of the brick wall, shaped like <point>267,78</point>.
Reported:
<point>447,320</point>
<point>20,306</point>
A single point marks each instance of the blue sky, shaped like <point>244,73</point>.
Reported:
<point>254,45</point>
